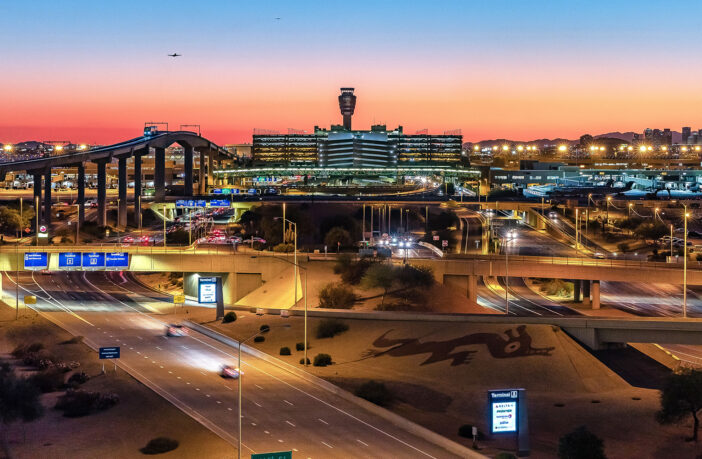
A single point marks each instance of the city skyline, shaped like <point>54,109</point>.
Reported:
<point>500,70</point>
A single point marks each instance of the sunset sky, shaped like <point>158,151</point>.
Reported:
<point>94,72</point>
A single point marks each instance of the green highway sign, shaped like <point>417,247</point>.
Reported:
<point>278,455</point>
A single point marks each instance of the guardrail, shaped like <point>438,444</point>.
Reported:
<point>575,261</point>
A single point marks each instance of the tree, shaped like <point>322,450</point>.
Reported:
<point>581,444</point>
<point>19,399</point>
<point>338,237</point>
<point>682,396</point>
<point>380,275</point>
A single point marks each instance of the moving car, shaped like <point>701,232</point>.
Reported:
<point>174,330</point>
<point>229,372</point>
<point>598,255</point>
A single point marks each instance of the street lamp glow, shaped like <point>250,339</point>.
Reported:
<point>520,148</point>
<point>476,147</point>
<point>59,147</point>
<point>82,146</point>
<point>642,148</point>
<point>7,147</point>
<point>505,147</point>
<point>562,148</point>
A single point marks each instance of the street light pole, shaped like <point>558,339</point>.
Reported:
<point>685,263</point>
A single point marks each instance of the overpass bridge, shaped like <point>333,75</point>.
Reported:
<point>40,169</point>
<point>253,268</point>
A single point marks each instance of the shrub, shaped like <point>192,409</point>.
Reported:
<point>74,340</point>
<point>352,271</point>
<point>23,350</point>
<point>581,444</point>
<point>259,339</point>
<point>106,401</point>
<point>302,361</point>
<point>159,445</point>
<point>76,403</point>
<point>328,328</point>
<point>322,360</point>
<point>264,328</point>
<point>285,351</point>
<point>415,276</point>
<point>336,296</point>
<point>284,248</point>
<point>48,380</point>
<point>503,455</point>
<point>301,346</point>
<point>77,378</point>
<point>375,392</point>
<point>229,317</point>
<point>557,287</point>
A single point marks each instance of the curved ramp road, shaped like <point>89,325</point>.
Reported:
<point>280,410</point>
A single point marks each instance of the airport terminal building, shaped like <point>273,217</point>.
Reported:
<point>342,146</point>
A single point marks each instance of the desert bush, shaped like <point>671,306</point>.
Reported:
<point>74,340</point>
<point>301,346</point>
<point>285,351</point>
<point>302,361</point>
<point>76,403</point>
<point>581,444</point>
<point>328,328</point>
<point>322,360</point>
<point>264,328</point>
<point>259,339</point>
<point>375,392</point>
<point>159,445</point>
<point>284,248</point>
<point>49,380</point>
<point>352,271</point>
<point>229,317</point>
<point>77,378</point>
<point>106,401</point>
<point>336,296</point>
<point>415,276</point>
<point>504,455</point>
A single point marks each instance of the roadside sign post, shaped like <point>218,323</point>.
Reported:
<point>178,300</point>
<point>110,353</point>
<point>508,416</point>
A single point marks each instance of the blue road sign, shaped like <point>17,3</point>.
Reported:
<point>109,352</point>
<point>191,203</point>
<point>220,203</point>
<point>36,260</point>
<point>93,260</point>
<point>69,260</point>
<point>117,260</point>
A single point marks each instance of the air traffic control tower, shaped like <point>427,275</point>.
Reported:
<point>347,104</point>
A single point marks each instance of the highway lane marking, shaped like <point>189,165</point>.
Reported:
<point>290,423</point>
<point>322,421</point>
<point>267,432</point>
<point>255,403</point>
<point>288,402</point>
<point>219,402</point>
<point>161,366</point>
<point>328,445</point>
<point>260,386</point>
<point>208,396</point>
<point>280,441</point>
<point>159,348</point>
<point>363,443</point>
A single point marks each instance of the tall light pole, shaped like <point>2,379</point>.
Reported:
<point>609,199</point>
<point>686,215</point>
<point>671,241</point>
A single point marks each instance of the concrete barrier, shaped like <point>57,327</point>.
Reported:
<point>397,420</point>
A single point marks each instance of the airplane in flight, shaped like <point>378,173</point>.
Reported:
<point>174,55</point>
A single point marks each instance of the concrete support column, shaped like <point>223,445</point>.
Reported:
<point>160,174</point>
<point>595,294</point>
<point>473,288</point>
<point>37,198</point>
<point>201,174</point>
<point>122,191</point>
<point>576,291</point>
<point>210,168</point>
<point>81,194</point>
<point>188,170</point>
<point>586,292</point>
<point>47,197</point>
<point>137,187</point>
<point>101,193</point>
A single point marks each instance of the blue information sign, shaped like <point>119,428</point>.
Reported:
<point>36,260</point>
<point>191,203</point>
<point>207,290</point>
<point>117,260</point>
<point>220,203</point>
<point>69,260</point>
<point>94,260</point>
<point>109,352</point>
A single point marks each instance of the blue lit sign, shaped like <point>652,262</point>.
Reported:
<point>36,260</point>
<point>207,290</point>
<point>93,260</point>
<point>220,203</point>
<point>191,203</point>
<point>117,260</point>
<point>69,260</point>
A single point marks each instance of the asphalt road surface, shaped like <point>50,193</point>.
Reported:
<point>280,411</point>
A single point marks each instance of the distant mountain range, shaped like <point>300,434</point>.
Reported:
<point>626,136</point>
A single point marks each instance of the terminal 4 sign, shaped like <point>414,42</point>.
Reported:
<point>69,260</point>
<point>118,260</point>
<point>93,260</point>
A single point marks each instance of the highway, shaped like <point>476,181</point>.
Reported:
<point>280,411</point>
